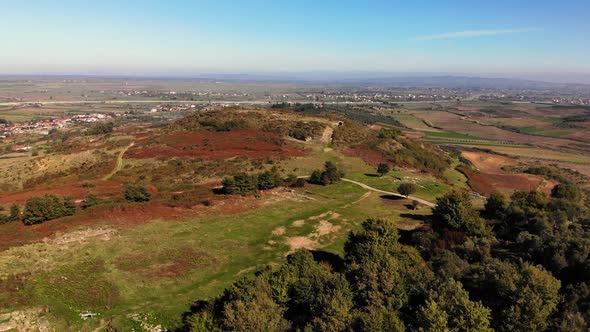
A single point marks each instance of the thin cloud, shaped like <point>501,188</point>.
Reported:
<point>475,33</point>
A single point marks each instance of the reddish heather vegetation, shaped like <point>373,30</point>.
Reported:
<point>15,234</point>
<point>369,156</point>
<point>214,145</point>
<point>75,190</point>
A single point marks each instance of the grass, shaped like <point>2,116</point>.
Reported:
<point>412,122</point>
<point>101,277</point>
<point>545,132</point>
<point>451,135</point>
<point>158,269</point>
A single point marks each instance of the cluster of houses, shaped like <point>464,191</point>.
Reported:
<point>173,108</point>
<point>42,127</point>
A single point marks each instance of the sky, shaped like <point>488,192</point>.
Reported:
<point>548,40</point>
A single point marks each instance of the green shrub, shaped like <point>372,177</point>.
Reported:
<point>406,189</point>
<point>331,174</point>
<point>48,207</point>
<point>137,194</point>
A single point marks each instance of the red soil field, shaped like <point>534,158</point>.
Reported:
<point>491,178</point>
<point>215,146</point>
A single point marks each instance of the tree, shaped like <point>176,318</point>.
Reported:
<point>495,206</point>
<point>415,205</point>
<point>137,194</point>
<point>449,300</point>
<point>566,191</point>
<point>522,296</point>
<point>269,179</point>
<point>331,174</point>
<point>383,169</point>
<point>15,212</point>
<point>69,206</point>
<point>90,200</point>
<point>431,318</point>
<point>406,189</point>
<point>101,128</point>
<point>242,184</point>
<point>40,209</point>
<point>453,211</point>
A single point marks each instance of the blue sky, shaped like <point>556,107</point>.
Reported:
<point>527,38</point>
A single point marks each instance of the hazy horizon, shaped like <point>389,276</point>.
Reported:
<point>534,40</point>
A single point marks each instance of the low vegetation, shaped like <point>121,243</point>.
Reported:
<point>48,207</point>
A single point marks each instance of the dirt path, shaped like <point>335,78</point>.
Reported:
<point>327,135</point>
<point>119,164</point>
<point>419,200</point>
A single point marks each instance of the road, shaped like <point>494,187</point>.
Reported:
<point>419,200</point>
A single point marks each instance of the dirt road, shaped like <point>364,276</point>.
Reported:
<point>419,200</point>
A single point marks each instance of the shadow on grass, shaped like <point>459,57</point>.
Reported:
<point>392,197</point>
<point>373,175</point>
<point>417,217</point>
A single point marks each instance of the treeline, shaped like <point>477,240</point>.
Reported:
<point>243,184</point>
<point>48,207</point>
<point>521,264</point>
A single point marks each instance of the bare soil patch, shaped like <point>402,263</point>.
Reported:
<point>301,242</point>
<point>279,231</point>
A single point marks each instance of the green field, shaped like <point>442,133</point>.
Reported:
<point>157,269</point>
<point>451,135</point>
<point>545,132</point>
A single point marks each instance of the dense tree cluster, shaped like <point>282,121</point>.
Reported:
<point>520,264</point>
<point>48,207</point>
<point>242,184</point>
<point>329,175</point>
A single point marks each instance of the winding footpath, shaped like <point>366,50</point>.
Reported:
<point>419,200</point>
<point>119,164</point>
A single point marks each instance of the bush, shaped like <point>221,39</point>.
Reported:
<point>331,174</point>
<point>566,191</point>
<point>90,200</point>
<point>137,194</point>
<point>269,179</point>
<point>101,128</point>
<point>48,207</point>
<point>383,169</point>
<point>406,189</point>
<point>386,133</point>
